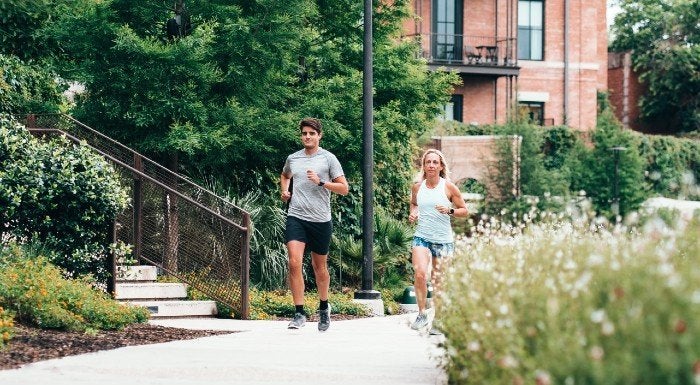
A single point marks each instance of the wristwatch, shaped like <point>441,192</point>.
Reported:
<point>321,182</point>
<point>452,211</point>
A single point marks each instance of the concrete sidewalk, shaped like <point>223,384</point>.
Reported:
<point>378,350</point>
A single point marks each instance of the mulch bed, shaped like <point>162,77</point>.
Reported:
<point>32,344</point>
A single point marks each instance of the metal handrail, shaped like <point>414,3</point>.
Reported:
<point>209,273</point>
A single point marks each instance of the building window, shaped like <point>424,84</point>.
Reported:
<point>531,29</point>
<point>447,30</point>
<point>533,112</point>
<point>453,109</point>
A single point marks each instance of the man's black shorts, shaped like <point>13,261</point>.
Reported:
<point>316,235</point>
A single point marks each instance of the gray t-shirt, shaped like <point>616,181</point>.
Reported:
<point>311,202</point>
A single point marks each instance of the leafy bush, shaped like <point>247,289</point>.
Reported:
<point>6,326</point>
<point>272,304</point>
<point>37,292</point>
<point>268,253</point>
<point>27,88</point>
<point>672,166</point>
<point>575,303</point>
<point>391,254</point>
<point>593,170</point>
<point>63,194</point>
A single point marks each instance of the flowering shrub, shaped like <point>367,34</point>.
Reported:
<point>36,291</point>
<point>6,326</point>
<point>575,303</point>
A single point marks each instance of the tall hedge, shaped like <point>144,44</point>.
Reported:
<point>59,193</point>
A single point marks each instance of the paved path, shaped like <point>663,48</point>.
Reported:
<point>379,350</point>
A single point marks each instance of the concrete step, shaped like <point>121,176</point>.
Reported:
<point>178,308</point>
<point>139,273</point>
<point>150,291</point>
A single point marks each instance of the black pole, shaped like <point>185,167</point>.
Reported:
<point>367,161</point>
<point>616,182</point>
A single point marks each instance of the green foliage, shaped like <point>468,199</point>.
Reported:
<point>62,194</point>
<point>36,291</point>
<point>274,304</point>
<point>391,254</point>
<point>594,170</point>
<point>27,88</point>
<point>575,303</point>
<point>225,100</point>
<point>7,324</point>
<point>672,165</point>
<point>665,41</point>
<point>268,253</point>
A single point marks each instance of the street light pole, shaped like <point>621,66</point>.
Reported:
<point>367,293</point>
<point>616,182</point>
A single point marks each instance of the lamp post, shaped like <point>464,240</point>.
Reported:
<point>367,292</point>
<point>616,182</point>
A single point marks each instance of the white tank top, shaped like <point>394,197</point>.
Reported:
<point>432,225</point>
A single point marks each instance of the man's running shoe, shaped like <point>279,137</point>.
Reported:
<point>420,322</point>
<point>298,322</point>
<point>324,319</point>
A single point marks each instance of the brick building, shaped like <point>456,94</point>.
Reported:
<point>542,58</point>
<point>625,90</point>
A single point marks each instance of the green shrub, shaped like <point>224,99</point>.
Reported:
<point>575,303</point>
<point>62,194</point>
<point>672,166</point>
<point>593,170</point>
<point>37,292</point>
<point>27,88</point>
<point>273,304</point>
<point>6,326</point>
<point>391,254</point>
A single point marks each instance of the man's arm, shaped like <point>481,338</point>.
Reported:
<point>339,185</point>
<point>284,187</point>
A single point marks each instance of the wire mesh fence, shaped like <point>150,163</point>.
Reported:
<point>171,222</point>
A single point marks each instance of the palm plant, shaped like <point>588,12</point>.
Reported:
<point>268,256</point>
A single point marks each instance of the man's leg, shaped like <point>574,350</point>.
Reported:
<point>323,281</point>
<point>323,278</point>
<point>296,282</point>
<point>296,278</point>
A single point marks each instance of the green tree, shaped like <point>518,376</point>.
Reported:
<point>26,88</point>
<point>664,38</point>
<point>225,99</point>
<point>594,169</point>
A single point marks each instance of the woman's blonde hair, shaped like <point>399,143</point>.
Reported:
<point>445,172</point>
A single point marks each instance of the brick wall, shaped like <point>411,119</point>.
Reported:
<point>624,90</point>
<point>587,54</point>
<point>470,157</point>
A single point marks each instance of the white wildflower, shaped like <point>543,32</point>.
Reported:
<point>607,328</point>
<point>597,353</point>
<point>597,316</point>
<point>595,260</point>
<point>696,297</point>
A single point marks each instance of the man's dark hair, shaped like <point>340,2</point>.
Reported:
<point>311,122</point>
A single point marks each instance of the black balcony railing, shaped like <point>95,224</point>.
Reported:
<point>468,50</point>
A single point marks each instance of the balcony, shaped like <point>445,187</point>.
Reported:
<point>473,55</point>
